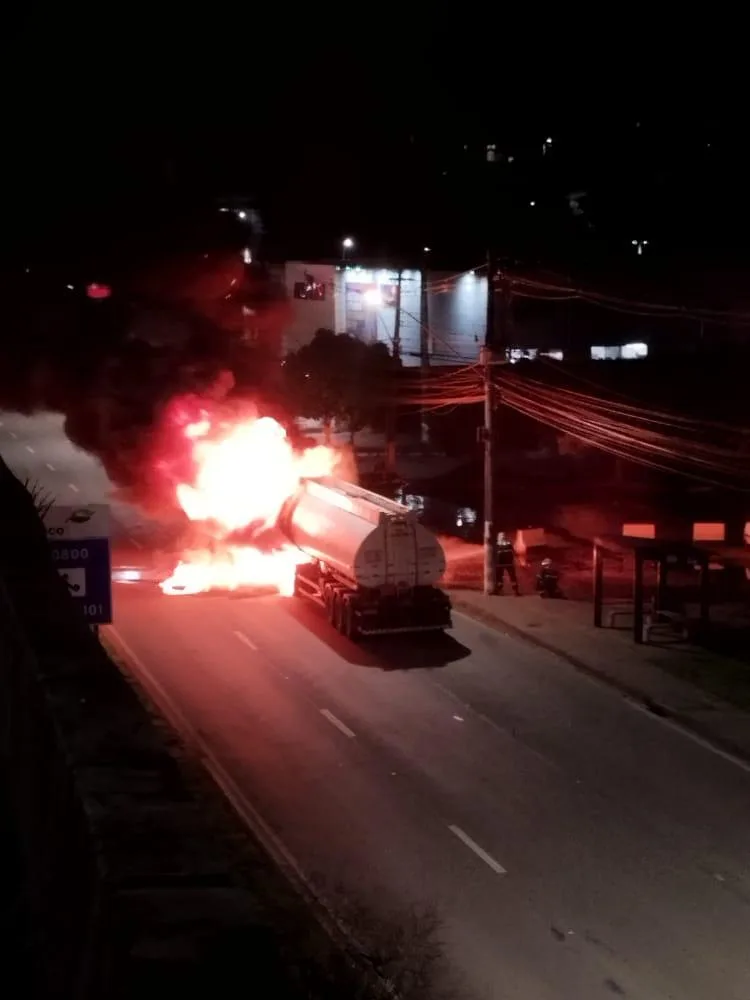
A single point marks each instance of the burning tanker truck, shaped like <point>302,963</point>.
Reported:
<point>296,528</point>
<point>369,562</point>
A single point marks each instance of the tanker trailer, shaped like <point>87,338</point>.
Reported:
<point>372,566</point>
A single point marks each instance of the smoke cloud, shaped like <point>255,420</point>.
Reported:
<point>199,326</point>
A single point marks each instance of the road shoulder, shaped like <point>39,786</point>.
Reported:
<point>609,656</point>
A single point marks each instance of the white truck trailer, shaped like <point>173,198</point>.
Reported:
<point>372,566</point>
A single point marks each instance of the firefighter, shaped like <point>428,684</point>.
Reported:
<point>506,563</point>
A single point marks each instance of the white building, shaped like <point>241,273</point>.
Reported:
<point>351,298</point>
<point>362,301</point>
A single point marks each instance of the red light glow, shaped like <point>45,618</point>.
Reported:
<point>242,470</point>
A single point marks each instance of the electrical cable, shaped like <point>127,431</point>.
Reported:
<point>647,447</point>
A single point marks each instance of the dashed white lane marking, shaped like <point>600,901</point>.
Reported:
<point>13,434</point>
<point>138,545</point>
<point>50,466</point>
<point>73,487</point>
<point>29,449</point>
<point>248,642</point>
<point>342,728</point>
<point>479,851</point>
<point>275,846</point>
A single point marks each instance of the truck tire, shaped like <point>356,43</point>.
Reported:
<point>350,629</point>
<point>338,619</point>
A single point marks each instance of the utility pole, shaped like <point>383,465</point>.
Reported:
<point>390,443</point>
<point>424,348</point>
<point>488,437</point>
<point>397,319</point>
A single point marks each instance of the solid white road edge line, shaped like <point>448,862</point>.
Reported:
<point>479,851</point>
<point>677,727</point>
<point>674,724</point>
<point>29,449</point>
<point>337,723</point>
<point>248,642</point>
<point>269,840</point>
<point>50,466</point>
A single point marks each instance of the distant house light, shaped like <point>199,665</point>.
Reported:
<point>637,350</point>
<point>626,352</point>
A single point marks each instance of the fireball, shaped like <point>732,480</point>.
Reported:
<point>244,470</point>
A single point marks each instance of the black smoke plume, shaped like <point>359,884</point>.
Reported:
<point>201,324</point>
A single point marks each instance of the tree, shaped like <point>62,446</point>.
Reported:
<point>338,377</point>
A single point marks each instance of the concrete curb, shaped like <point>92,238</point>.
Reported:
<point>678,719</point>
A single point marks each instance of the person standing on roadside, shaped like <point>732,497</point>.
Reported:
<point>506,563</point>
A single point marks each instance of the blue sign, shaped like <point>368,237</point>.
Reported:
<point>84,563</point>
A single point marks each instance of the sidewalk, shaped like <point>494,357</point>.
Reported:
<point>656,676</point>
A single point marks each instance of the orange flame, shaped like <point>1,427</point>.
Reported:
<point>244,473</point>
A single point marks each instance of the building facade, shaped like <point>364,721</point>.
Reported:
<point>446,318</point>
<point>362,301</point>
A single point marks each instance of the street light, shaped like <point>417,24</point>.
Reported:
<point>639,245</point>
<point>347,244</point>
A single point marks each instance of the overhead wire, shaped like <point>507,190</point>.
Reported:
<point>632,432</point>
<point>647,414</point>
<point>618,451</point>
<point>676,454</point>
<point>527,286</point>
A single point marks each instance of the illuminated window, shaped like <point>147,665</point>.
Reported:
<point>630,351</point>
<point>313,291</point>
<point>522,354</point>
<point>605,353</point>
<point>627,352</point>
<point>531,354</point>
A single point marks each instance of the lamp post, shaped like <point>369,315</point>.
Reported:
<point>347,244</point>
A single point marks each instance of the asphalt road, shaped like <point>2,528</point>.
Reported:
<point>573,845</point>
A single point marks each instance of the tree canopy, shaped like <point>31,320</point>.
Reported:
<point>338,377</point>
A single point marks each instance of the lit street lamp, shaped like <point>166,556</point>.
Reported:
<point>639,245</point>
<point>347,244</point>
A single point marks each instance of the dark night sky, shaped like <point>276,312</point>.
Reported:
<point>336,121</point>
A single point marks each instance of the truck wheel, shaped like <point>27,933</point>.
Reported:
<point>350,622</point>
<point>338,612</point>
